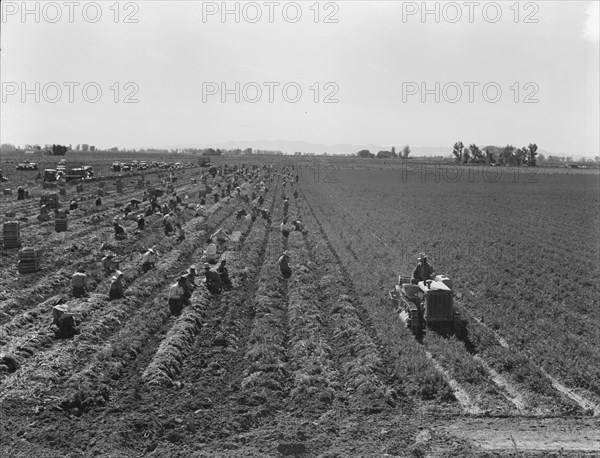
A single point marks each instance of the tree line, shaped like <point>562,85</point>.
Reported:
<point>507,155</point>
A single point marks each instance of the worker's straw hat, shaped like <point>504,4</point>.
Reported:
<point>118,273</point>
<point>206,265</point>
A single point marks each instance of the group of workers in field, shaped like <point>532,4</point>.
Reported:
<point>215,280</point>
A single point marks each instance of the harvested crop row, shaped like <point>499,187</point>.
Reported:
<point>141,335</point>
<point>130,268</point>
<point>105,321</point>
<point>168,359</point>
<point>266,376</point>
<point>36,284</point>
<point>315,378</point>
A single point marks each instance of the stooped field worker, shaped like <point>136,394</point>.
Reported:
<point>212,280</point>
<point>108,263</point>
<point>298,226</point>
<point>79,280</point>
<point>141,222</point>
<point>181,232</point>
<point>423,271</point>
<point>190,279</point>
<point>224,275</point>
<point>189,285</point>
<point>221,237</point>
<point>285,228</point>
<point>149,260</point>
<point>210,252</point>
<point>176,293</point>
<point>119,231</point>
<point>98,202</point>
<point>168,224</point>
<point>116,286</point>
<point>284,265</point>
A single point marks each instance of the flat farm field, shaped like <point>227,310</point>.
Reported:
<point>320,364</point>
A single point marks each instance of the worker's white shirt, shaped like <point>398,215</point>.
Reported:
<point>175,291</point>
<point>149,257</point>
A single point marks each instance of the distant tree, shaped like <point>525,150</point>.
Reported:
<point>365,153</point>
<point>490,156</point>
<point>466,155</point>
<point>114,149</point>
<point>59,150</point>
<point>476,153</point>
<point>78,148</point>
<point>506,156</point>
<point>248,151</point>
<point>520,156</point>
<point>405,152</point>
<point>92,148</point>
<point>384,155</point>
<point>531,154</point>
<point>458,150</point>
<point>394,152</point>
<point>85,147</point>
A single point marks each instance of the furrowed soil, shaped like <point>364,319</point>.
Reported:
<point>319,364</point>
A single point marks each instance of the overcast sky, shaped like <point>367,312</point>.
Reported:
<point>372,59</point>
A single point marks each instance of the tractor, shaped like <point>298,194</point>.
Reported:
<point>428,304</point>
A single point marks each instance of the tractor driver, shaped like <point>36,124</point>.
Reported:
<point>423,271</point>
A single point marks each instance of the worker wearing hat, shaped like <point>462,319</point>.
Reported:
<point>423,271</point>
<point>149,260</point>
<point>190,283</point>
<point>108,263</point>
<point>224,275</point>
<point>79,280</point>
<point>213,280</point>
<point>116,286</point>
<point>284,265</point>
<point>176,293</point>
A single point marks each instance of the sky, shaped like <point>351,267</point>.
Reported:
<point>156,74</point>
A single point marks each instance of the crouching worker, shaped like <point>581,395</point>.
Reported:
<point>149,260</point>
<point>79,283</point>
<point>65,321</point>
<point>284,265</point>
<point>176,293</point>
<point>224,276</point>
<point>109,264</point>
<point>119,231</point>
<point>141,222</point>
<point>190,282</point>
<point>213,280</point>
<point>116,286</point>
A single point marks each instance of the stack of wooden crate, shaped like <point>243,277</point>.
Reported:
<point>11,234</point>
<point>29,260</point>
